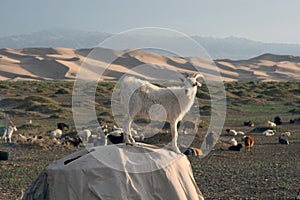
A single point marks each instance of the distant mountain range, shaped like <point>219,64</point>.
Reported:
<point>65,63</point>
<point>227,48</point>
<point>54,38</point>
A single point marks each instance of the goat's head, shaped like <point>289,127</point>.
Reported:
<point>191,82</point>
<point>13,128</point>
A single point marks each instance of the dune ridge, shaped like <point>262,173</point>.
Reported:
<point>37,64</point>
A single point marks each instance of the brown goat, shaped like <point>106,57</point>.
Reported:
<point>249,142</point>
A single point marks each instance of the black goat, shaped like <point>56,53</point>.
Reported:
<point>62,126</point>
<point>115,139</point>
<point>283,141</point>
<point>75,141</point>
<point>249,123</point>
<point>277,120</point>
<point>192,151</point>
<point>235,148</point>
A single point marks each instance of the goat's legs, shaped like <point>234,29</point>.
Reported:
<point>9,136</point>
<point>8,140</point>
<point>174,134</point>
<point>127,130</point>
<point>4,137</point>
<point>248,149</point>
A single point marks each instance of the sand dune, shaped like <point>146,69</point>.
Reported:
<point>65,63</point>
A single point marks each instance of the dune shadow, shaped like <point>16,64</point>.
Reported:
<point>47,68</point>
<point>14,75</point>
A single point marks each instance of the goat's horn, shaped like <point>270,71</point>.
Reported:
<point>197,75</point>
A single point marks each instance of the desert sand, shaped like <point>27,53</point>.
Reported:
<point>38,64</point>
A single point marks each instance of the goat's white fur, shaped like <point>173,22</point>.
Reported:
<point>22,138</point>
<point>269,132</point>
<point>233,142</point>
<point>240,133</point>
<point>33,139</point>
<point>141,95</point>
<point>56,141</point>
<point>57,133</point>
<point>286,134</point>
<point>231,132</point>
<point>117,131</point>
<point>84,135</point>
<point>272,124</point>
<point>8,132</point>
<point>117,128</point>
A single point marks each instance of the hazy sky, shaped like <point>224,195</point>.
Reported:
<point>262,20</point>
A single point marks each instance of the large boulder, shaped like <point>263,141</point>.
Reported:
<point>117,172</point>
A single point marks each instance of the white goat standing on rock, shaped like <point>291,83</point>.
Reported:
<point>141,96</point>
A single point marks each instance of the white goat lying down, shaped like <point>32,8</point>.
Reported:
<point>269,132</point>
<point>57,133</point>
<point>231,132</point>
<point>286,134</point>
<point>233,142</point>
<point>272,124</point>
<point>84,135</point>
<point>140,95</point>
<point>32,139</point>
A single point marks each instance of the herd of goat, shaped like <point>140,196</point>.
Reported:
<point>99,137</point>
<point>140,96</point>
<point>103,135</point>
<point>249,140</point>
